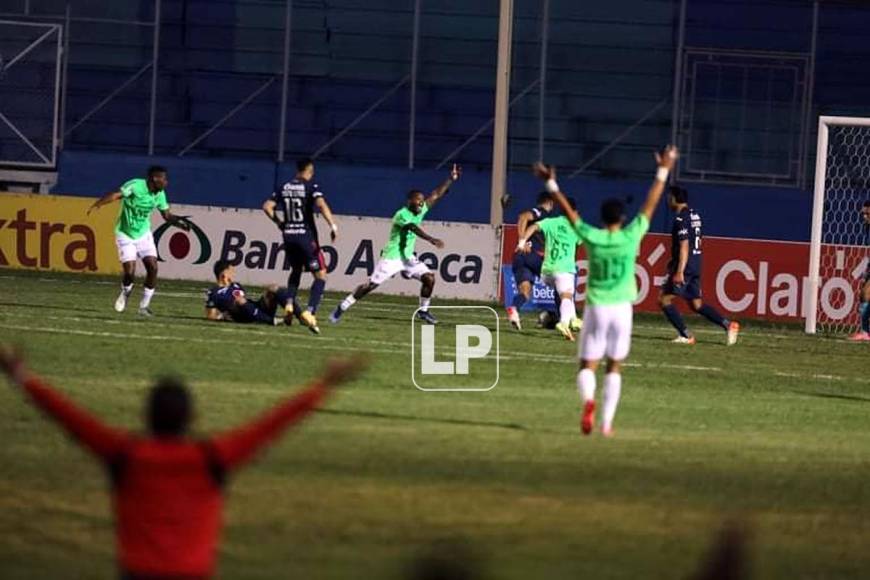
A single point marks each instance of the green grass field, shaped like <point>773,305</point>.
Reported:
<point>773,432</point>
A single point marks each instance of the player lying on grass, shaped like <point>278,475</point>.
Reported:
<point>139,198</point>
<point>611,287</point>
<point>863,333</point>
<point>167,487</point>
<point>529,259</point>
<point>398,255</point>
<point>684,271</point>
<point>227,300</point>
<point>559,268</point>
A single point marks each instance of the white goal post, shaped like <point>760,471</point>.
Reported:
<point>839,242</point>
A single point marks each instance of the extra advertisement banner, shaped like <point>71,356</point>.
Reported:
<point>743,278</point>
<point>52,232</point>
<point>467,267</point>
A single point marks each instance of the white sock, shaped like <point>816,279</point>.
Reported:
<point>126,290</point>
<point>147,293</point>
<point>586,385</point>
<point>567,310</point>
<point>348,301</point>
<point>424,303</point>
<point>612,390</point>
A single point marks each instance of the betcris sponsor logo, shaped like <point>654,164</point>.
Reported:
<point>543,297</point>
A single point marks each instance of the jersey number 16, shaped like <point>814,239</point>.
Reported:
<point>293,209</point>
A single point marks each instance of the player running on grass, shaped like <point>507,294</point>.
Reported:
<point>139,198</point>
<point>684,271</point>
<point>227,300</point>
<point>611,288</point>
<point>168,487</point>
<point>297,200</point>
<point>398,255</point>
<point>529,256</point>
<point>559,268</point>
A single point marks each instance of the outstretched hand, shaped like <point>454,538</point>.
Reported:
<point>544,172</point>
<point>11,360</point>
<point>344,370</point>
<point>668,157</point>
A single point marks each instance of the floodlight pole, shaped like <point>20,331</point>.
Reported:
<point>502,98</point>
<point>542,87</point>
<point>154,66</point>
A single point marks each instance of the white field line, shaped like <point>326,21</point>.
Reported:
<point>386,347</point>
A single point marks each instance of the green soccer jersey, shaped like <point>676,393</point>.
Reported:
<point>561,243</point>
<point>611,260</point>
<point>137,204</point>
<point>402,240</point>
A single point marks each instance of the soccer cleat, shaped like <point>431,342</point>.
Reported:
<point>576,324</point>
<point>146,312</point>
<point>684,340</point>
<point>587,422</point>
<point>121,302</point>
<point>427,317</point>
<point>733,331</point>
<point>860,337</point>
<point>607,430</point>
<point>308,319</point>
<point>565,331</point>
<point>514,318</point>
<point>335,317</point>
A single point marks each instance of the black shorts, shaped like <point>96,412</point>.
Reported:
<point>303,251</point>
<point>690,289</point>
<point>527,266</point>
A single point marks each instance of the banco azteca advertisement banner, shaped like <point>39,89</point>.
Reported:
<point>52,232</point>
<point>467,266</point>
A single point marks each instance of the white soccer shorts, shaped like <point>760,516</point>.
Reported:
<point>606,331</point>
<point>129,249</point>
<point>564,283</point>
<point>387,268</point>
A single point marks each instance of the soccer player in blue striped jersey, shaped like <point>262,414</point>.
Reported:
<point>529,256</point>
<point>684,271</point>
<point>863,333</point>
<point>297,200</point>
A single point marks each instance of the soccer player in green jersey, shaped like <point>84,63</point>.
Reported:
<point>139,198</point>
<point>610,289</point>
<point>559,268</point>
<point>398,255</point>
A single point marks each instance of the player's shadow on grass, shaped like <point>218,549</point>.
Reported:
<point>855,398</point>
<point>376,415</point>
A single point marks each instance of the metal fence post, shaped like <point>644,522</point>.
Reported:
<point>154,67</point>
<point>282,130</point>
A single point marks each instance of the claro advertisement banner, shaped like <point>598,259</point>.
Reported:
<point>51,232</point>
<point>467,266</point>
<point>743,278</point>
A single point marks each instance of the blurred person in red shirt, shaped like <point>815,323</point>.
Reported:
<point>167,488</point>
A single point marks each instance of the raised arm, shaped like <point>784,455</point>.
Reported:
<point>439,191</point>
<point>326,212</point>
<point>421,234</point>
<point>547,173</point>
<point>666,161</point>
<point>102,440</point>
<point>238,446</point>
<point>106,199</point>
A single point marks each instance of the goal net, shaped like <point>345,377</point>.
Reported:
<point>839,245</point>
